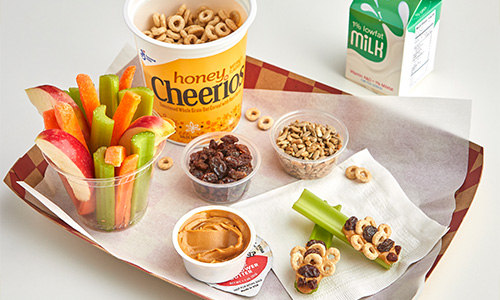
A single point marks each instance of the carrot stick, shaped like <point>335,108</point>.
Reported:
<point>115,155</point>
<point>49,120</point>
<point>124,114</point>
<point>127,78</point>
<point>67,121</point>
<point>88,95</point>
<point>124,191</point>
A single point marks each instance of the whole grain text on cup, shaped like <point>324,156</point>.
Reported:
<point>198,86</point>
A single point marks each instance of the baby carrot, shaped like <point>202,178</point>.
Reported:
<point>66,118</point>
<point>88,95</point>
<point>115,155</point>
<point>145,108</point>
<point>49,120</point>
<point>124,114</point>
<point>124,190</point>
<point>127,78</point>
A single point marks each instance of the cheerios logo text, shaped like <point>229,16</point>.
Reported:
<point>217,85</point>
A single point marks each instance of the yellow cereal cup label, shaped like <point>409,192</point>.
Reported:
<point>199,94</point>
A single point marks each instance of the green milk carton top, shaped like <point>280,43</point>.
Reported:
<point>390,41</point>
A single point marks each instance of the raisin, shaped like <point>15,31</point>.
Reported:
<point>312,284</point>
<point>194,157</point>
<point>200,164</point>
<point>385,245</point>
<point>237,175</point>
<point>310,251</point>
<point>392,257</point>
<point>228,180</point>
<point>244,159</point>
<point>218,166</point>
<point>231,161</point>
<point>368,233</point>
<point>229,139</point>
<point>243,148</point>
<point>309,271</point>
<point>208,152</point>
<point>232,152</point>
<point>312,242</point>
<point>210,177</point>
<point>212,145</point>
<point>301,282</point>
<point>247,169</point>
<point>397,249</point>
<point>196,173</point>
<point>350,224</point>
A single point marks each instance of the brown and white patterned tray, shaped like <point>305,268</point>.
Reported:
<point>31,166</point>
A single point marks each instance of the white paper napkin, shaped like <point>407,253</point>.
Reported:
<point>382,198</point>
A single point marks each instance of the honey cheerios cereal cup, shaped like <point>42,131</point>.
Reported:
<point>199,85</point>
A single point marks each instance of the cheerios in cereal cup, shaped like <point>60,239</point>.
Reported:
<point>193,58</point>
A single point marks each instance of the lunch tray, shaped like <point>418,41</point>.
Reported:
<point>31,166</point>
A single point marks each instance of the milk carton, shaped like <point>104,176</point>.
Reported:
<point>391,43</point>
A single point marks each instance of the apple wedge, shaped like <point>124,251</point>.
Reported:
<point>162,128</point>
<point>43,97</point>
<point>69,155</point>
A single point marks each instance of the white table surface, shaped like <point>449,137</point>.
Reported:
<point>52,41</point>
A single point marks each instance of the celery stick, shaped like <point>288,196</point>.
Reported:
<point>319,233</point>
<point>145,107</point>
<point>108,92</point>
<point>143,144</point>
<point>321,213</point>
<point>105,194</point>
<point>325,216</point>
<point>102,129</point>
<point>74,93</point>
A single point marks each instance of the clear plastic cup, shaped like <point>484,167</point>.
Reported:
<point>220,193</point>
<point>312,168</point>
<point>108,204</point>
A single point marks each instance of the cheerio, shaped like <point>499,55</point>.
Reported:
<point>391,44</point>
<point>198,86</point>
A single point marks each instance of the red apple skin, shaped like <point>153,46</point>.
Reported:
<point>159,126</point>
<point>70,155</point>
<point>43,97</point>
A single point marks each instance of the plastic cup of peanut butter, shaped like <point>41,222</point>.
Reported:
<point>213,242</point>
<point>197,75</point>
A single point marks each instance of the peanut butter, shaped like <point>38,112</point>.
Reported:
<point>214,236</point>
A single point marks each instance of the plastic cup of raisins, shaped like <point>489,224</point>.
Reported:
<point>220,166</point>
<point>308,143</point>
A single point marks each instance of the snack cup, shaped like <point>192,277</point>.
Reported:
<point>308,169</point>
<point>198,86</point>
<point>219,271</point>
<point>110,203</point>
<point>219,193</point>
